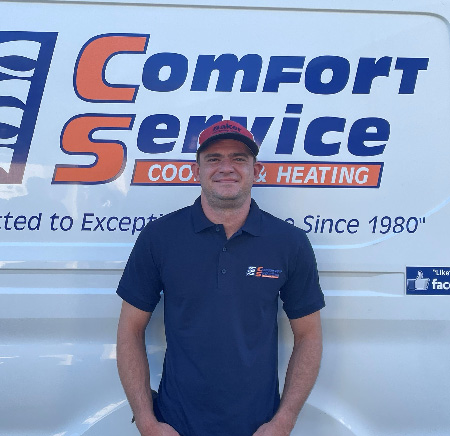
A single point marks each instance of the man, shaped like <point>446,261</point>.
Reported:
<point>222,263</point>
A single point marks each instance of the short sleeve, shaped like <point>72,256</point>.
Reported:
<point>140,284</point>
<point>302,294</point>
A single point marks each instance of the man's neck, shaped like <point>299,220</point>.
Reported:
<point>232,219</point>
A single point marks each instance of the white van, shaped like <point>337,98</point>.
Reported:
<point>100,107</point>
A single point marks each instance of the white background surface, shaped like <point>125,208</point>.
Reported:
<point>385,369</point>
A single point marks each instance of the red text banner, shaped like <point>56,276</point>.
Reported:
<point>308,174</point>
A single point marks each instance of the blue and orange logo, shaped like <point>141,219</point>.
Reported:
<point>25,61</point>
<point>259,271</point>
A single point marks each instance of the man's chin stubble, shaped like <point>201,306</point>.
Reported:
<point>224,202</point>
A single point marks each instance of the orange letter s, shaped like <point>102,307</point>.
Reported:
<point>76,138</point>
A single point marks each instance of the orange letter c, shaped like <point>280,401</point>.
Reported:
<point>89,76</point>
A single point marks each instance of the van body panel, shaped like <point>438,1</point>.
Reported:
<point>100,107</point>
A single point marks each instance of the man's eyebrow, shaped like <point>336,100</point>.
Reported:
<point>240,154</point>
<point>230,154</point>
<point>213,155</point>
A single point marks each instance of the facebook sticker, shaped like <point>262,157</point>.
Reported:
<point>427,280</point>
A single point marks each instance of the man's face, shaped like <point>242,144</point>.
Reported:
<point>226,170</point>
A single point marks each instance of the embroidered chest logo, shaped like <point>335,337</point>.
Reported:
<point>259,271</point>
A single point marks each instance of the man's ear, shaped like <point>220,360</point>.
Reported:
<point>257,167</point>
<point>195,171</point>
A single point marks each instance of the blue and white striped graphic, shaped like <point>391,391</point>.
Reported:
<point>17,65</point>
<point>24,62</point>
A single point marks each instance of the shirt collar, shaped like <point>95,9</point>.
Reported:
<point>252,224</point>
<point>199,218</point>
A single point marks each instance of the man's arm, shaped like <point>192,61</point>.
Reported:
<point>134,371</point>
<point>300,376</point>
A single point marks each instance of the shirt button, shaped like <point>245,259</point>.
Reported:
<point>224,271</point>
<point>217,229</point>
<point>224,249</point>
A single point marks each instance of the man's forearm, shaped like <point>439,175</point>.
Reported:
<point>134,374</point>
<point>301,375</point>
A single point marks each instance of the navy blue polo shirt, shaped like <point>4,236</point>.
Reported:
<point>220,375</point>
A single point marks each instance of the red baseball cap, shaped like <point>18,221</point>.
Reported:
<point>227,129</point>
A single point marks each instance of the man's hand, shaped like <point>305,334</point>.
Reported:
<point>272,428</point>
<point>160,429</point>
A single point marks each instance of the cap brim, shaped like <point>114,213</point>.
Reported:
<point>238,137</point>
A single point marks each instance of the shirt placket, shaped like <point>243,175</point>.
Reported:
<point>225,264</point>
<point>222,263</point>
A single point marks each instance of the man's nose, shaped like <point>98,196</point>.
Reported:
<point>226,166</point>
